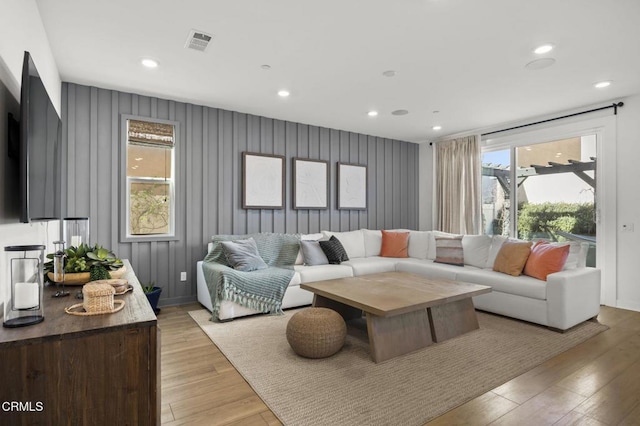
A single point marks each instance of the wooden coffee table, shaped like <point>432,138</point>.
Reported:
<point>404,311</point>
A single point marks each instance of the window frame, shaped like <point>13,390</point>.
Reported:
<point>126,181</point>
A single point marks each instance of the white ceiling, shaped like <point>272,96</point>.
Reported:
<point>463,58</point>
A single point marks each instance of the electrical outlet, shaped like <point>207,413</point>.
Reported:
<point>627,227</point>
<point>183,276</point>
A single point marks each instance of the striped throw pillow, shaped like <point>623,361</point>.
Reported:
<point>449,251</point>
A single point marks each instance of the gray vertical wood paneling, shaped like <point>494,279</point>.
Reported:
<point>209,178</point>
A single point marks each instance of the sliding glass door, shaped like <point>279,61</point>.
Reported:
<point>544,190</point>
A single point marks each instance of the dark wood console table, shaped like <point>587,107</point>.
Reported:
<point>76,370</point>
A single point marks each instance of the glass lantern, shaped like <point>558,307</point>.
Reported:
<point>23,301</point>
<point>76,231</point>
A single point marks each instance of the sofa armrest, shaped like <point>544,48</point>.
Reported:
<point>573,296</point>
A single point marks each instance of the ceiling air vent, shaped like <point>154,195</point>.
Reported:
<point>198,40</point>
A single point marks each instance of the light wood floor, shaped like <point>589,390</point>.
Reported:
<point>595,383</point>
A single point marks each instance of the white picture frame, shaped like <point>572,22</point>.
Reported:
<point>310,184</point>
<point>263,181</point>
<point>352,186</point>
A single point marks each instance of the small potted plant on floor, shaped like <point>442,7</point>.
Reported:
<point>153,295</point>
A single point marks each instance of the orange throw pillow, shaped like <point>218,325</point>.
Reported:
<point>512,257</point>
<point>546,259</point>
<point>394,244</point>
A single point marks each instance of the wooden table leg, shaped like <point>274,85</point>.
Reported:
<point>398,335</point>
<point>347,312</point>
<point>452,319</point>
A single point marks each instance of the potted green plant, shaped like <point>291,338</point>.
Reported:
<point>87,263</point>
<point>153,295</point>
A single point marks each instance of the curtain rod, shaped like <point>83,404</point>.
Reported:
<point>614,105</point>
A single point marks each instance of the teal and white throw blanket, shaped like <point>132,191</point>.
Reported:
<point>261,290</point>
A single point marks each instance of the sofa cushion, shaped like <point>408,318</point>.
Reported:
<point>496,244</point>
<point>313,253</point>
<point>419,244</point>
<point>295,279</point>
<point>352,241</point>
<point>449,251</point>
<point>334,250</point>
<point>476,249</point>
<point>372,242</point>
<point>512,257</point>
<point>242,255</point>
<point>394,244</point>
<point>431,255</point>
<point>520,286</point>
<point>371,265</point>
<point>577,255</point>
<point>309,274</point>
<point>427,268</point>
<point>545,259</point>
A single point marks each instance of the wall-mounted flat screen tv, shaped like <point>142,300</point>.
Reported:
<point>40,149</point>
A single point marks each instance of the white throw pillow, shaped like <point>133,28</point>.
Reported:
<point>432,242</point>
<point>476,249</point>
<point>496,243</point>
<point>419,244</point>
<point>352,241</point>
<point>372,242</point>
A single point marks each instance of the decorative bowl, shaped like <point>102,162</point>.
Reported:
<point>81,278</point>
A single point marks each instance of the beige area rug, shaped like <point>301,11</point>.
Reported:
<point>350,389</point>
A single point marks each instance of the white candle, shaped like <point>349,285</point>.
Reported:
<point>76,240</point>
<point>26,296</point>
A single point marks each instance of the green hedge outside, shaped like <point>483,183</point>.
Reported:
<point>537,219</point>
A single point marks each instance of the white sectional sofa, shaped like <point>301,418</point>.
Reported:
<point>566,299</point>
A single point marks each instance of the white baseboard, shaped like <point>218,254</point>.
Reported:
<point>177,301</point>
<point>628,304</point>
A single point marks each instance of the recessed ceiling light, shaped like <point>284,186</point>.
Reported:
<point>149,63</point>
<point>372,113</point>
<point>539,64</point>
<point>602,84</point>
<point>389,73</point>
<point>283,93</point>
<point>545,48</point>
<point>400,112</point>
<point>265,67</point>
<point>437,127</point>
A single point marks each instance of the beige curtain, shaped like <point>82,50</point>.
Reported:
<point>458,185</point>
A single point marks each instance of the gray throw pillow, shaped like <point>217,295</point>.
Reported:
<point>242,255</point>
<point>312,253</point>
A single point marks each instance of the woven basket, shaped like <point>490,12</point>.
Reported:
<point>316,332</point>
<point>97,299</point>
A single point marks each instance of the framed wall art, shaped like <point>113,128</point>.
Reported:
<point>352,186</point>
<point>262,181</point>
<point>310,184</point>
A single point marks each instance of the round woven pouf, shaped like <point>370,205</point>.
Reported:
<point>316,332</point>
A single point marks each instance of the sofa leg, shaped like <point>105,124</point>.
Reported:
<point>557,330</point>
